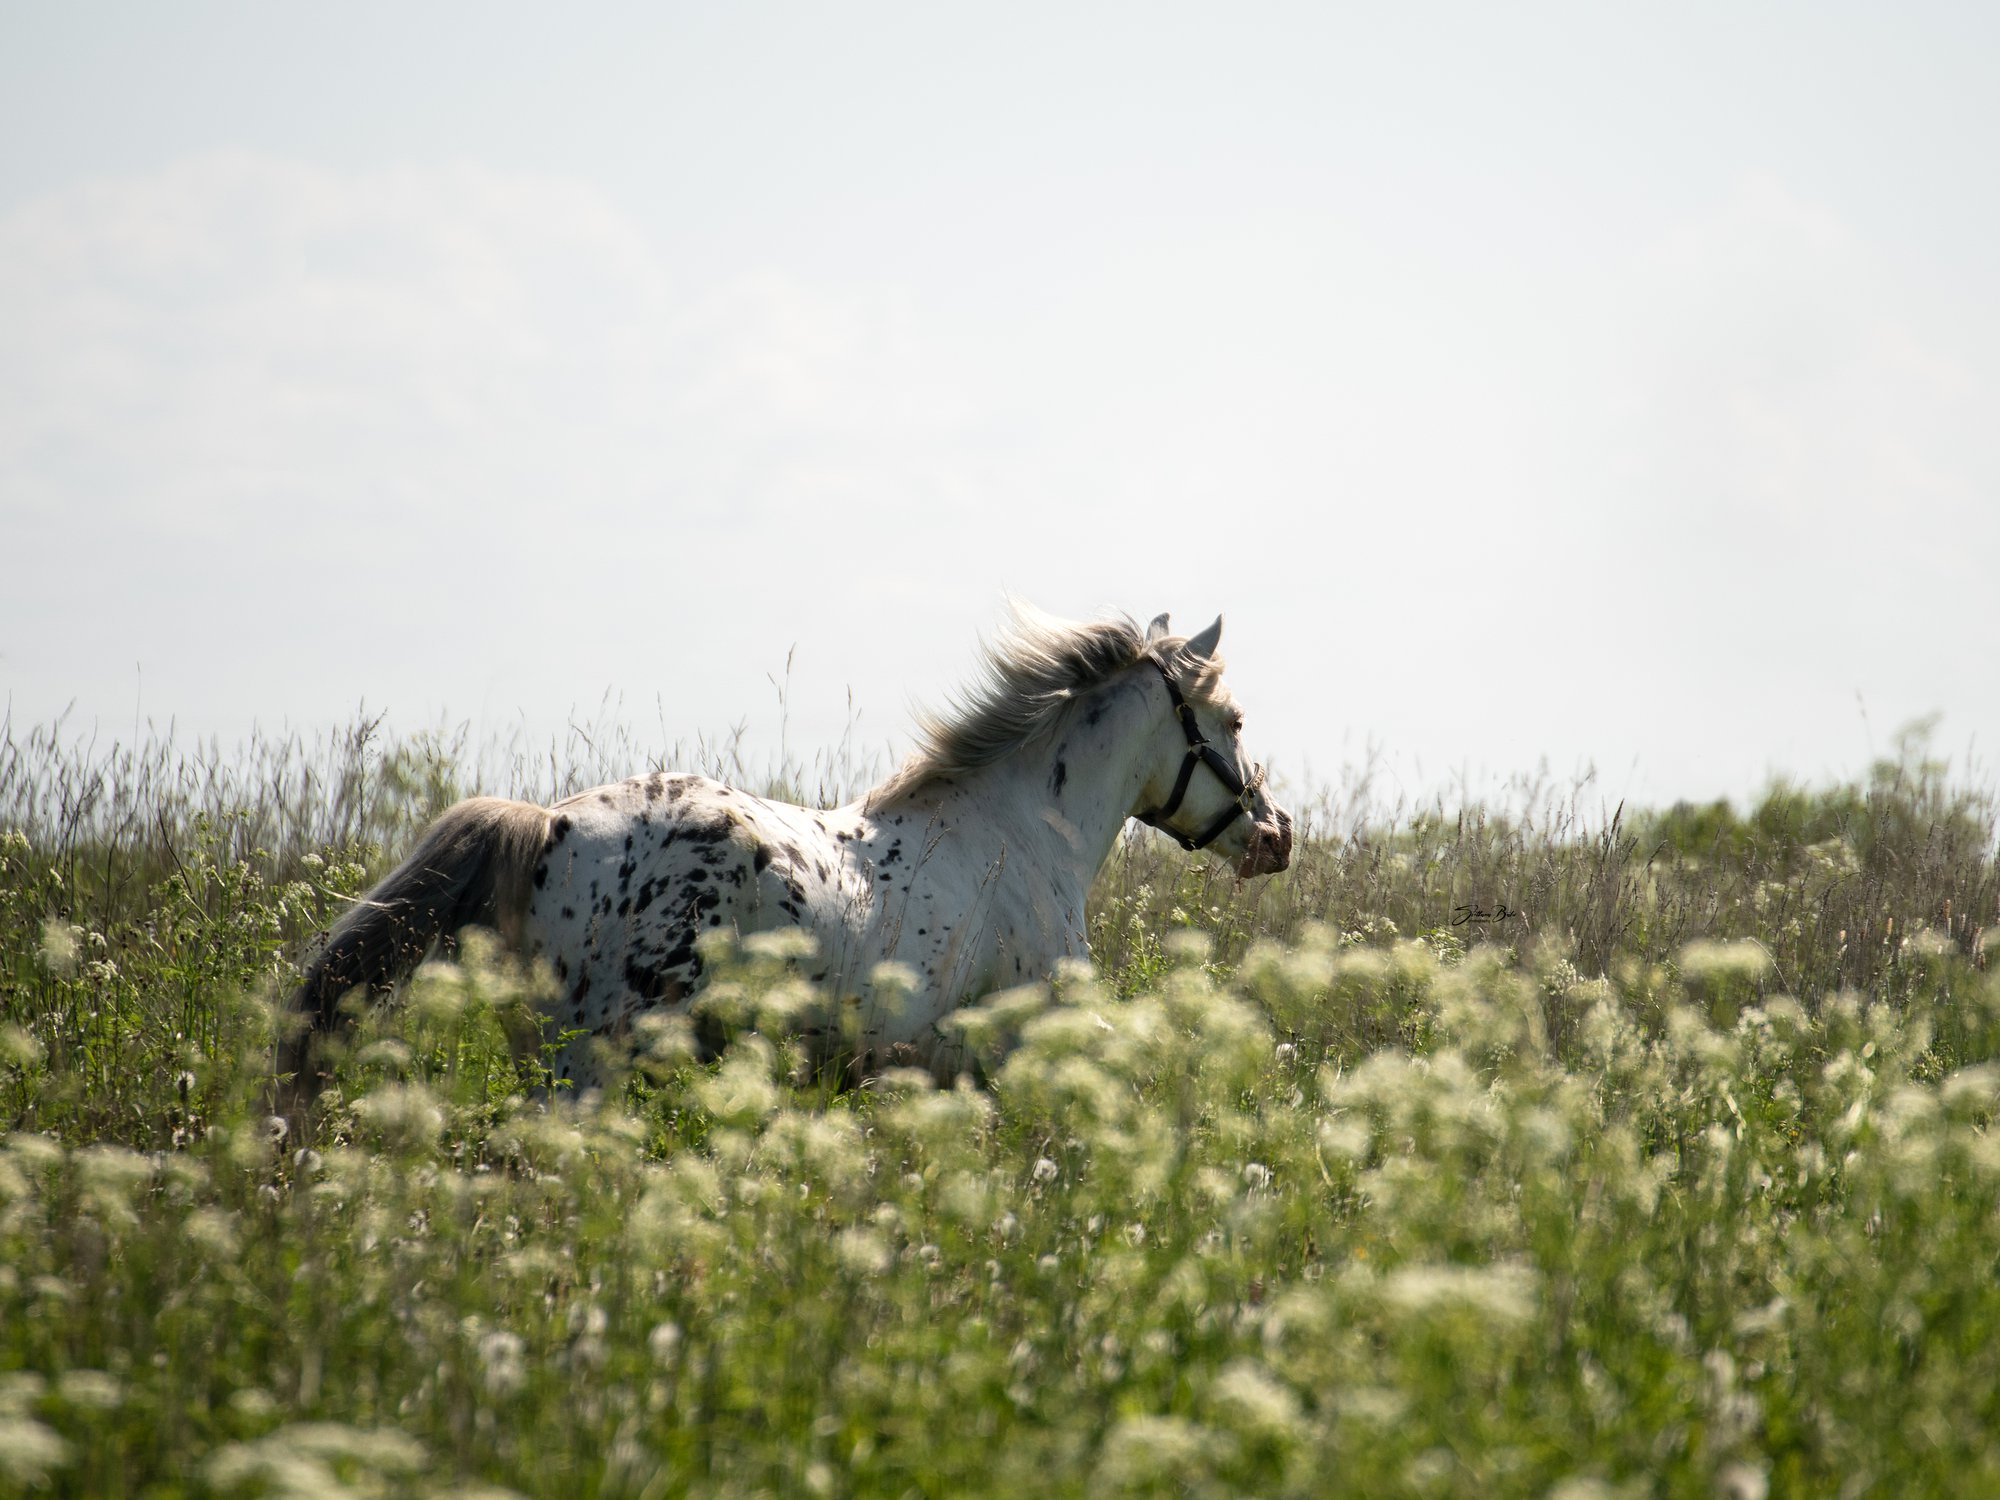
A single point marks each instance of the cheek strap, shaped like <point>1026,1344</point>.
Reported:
<point>1199,752</point>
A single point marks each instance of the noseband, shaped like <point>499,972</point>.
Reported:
<point>1198,751</point>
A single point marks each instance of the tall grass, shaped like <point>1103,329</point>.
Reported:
<point>1676,1179</point>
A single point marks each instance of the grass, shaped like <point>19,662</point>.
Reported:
<point>1678,1179</point>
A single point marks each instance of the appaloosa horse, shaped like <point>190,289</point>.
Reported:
<point>968,868</point>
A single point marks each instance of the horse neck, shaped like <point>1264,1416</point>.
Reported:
<point>1066,795</point>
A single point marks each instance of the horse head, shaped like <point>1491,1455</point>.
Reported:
<point>1205,793</point>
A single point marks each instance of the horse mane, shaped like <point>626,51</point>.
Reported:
<point>1027,676</point>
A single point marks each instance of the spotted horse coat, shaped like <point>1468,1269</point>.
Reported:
<point>968,869</point>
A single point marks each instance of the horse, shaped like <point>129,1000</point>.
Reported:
<point>964,873</point>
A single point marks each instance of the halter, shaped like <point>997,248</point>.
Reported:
<point>1198,751</point>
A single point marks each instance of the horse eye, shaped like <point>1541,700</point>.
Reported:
<point>1236,723</point>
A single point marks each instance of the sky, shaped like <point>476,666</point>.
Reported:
<point>1610,389</point>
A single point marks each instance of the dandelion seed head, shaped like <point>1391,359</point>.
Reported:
<point>741,1092</point>
<point>786,1006</point>
<point>862,1251</point>
<point>892,1083</point>
<point>18,1047</point>
<point>891,985</point>
<point>34,1151</point>
<point>214,1230</point>
<point>403,1114</point>
<point>782,944</point>
<point>62,947</point>
<point>665,1041</point>
<point>388,1054</point>
<point>1971,1087</point>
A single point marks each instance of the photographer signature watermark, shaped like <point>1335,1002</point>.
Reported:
<point>1475,915</point>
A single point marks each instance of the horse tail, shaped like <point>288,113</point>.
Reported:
<point>471,868</point>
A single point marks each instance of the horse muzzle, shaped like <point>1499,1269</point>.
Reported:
<point>1270,847</point>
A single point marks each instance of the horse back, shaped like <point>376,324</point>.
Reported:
<point>634,875</point>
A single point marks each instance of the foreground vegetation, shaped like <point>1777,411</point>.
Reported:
<point>1678,1178</point>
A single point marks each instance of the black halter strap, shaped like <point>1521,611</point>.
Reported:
<point>1198,751</point>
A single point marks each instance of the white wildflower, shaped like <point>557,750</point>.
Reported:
<point>1153,1455</point>
<point>503,1363</point>
<point>90,1390</point>
<point>1255,1400</point>
<point>1720,963</point>
<point>1741,1481</point>
<point>1498,1293</point>
<point>665,1343</point>
<point>29,1451</point>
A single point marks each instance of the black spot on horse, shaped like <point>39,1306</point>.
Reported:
<point>761,858</point>
<point>1062,775</point>
<point>541,874</point>
<point>652,983</point>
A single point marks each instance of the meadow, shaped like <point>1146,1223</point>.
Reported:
<point>1525,1148</point>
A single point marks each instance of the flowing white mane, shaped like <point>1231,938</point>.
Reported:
<point>1037,666</point>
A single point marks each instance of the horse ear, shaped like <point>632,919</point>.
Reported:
<point>1202,647</point>
<point>1157,631</point>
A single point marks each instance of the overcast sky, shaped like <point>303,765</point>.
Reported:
<point>1524,383</point>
